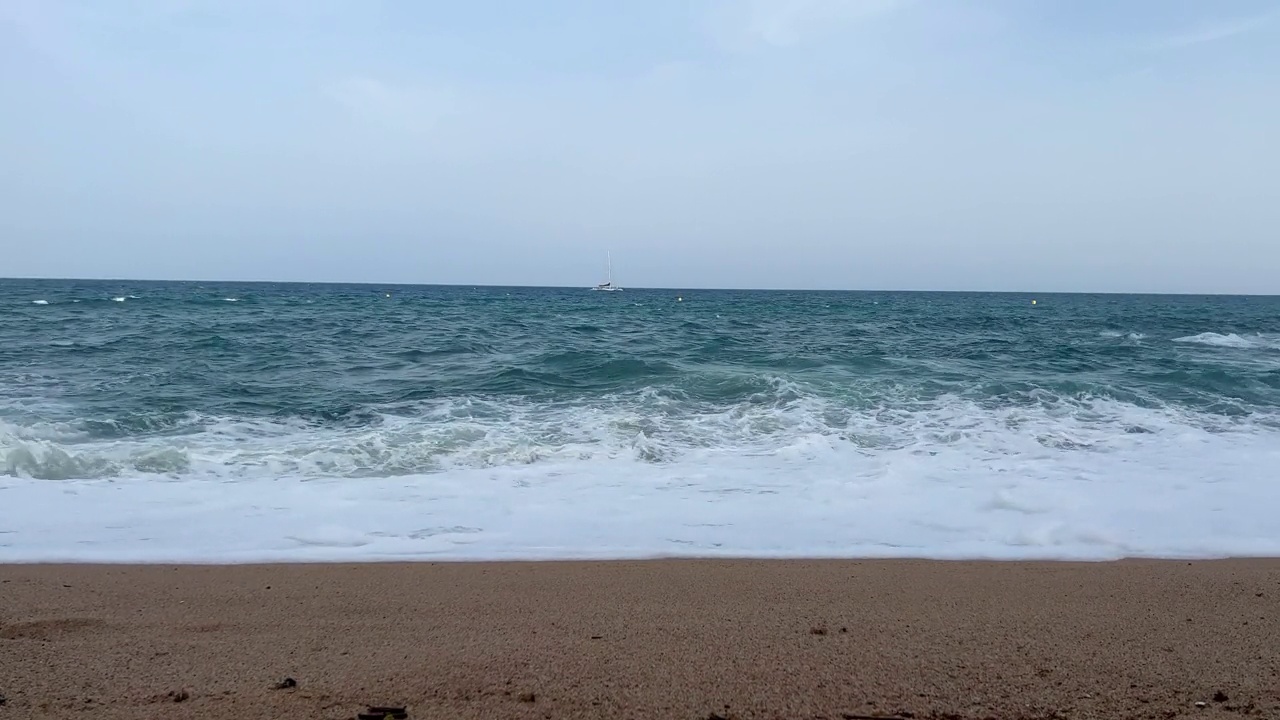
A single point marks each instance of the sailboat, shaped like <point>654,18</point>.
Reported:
<point>608,285</point>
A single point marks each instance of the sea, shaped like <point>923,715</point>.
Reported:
<point>225,422</point>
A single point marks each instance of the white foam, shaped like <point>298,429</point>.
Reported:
<point>230,299</point>
<point>119,299</point>
<point>39,302</point>
<point>1232,340</point>
<point>1095,479</point>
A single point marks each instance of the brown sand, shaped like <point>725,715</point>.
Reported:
<point>652,640</point>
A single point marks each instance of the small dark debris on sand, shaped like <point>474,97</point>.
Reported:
<point>287,684</point>
<point>383,712</point>
<point>817,630</point>
<point>179,696</point>
<point>528,697</point>
<point>1220,697</point>
<point>3,700</point>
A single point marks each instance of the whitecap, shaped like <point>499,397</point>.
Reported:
<point>1229,340</point>
<point>231,299</point>
<point>39,302</point>
<point>119,299</point>
<point>1116,334</point>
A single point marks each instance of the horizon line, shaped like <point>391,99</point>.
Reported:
<point>367,283</point>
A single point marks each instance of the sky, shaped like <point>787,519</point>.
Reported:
<point>1047,145</point>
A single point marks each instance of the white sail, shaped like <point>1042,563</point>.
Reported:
<point>608,285</point>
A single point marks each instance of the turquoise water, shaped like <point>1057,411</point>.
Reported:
<point>931,408</point>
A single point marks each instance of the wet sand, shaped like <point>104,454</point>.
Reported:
<point>691,639</point>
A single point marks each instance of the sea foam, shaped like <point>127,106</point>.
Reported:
<point>1232,340</point>
<point>1062,479</point>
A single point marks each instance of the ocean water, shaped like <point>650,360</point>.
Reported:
<point>246,422</point>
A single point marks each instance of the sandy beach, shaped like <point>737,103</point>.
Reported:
<point>690,639</point>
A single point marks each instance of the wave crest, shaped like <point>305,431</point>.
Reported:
<point>649,426</point>
<point>1232,340</point>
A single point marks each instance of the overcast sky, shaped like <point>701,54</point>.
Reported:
<point>1087,145</point>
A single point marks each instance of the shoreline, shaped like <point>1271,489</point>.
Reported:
<point>659,638</point>
<point>411,561</point>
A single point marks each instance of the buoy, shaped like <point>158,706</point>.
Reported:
<point>679,299</point>
<point>1033,302</point>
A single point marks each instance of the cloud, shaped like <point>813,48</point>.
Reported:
<point>1220,30</point>
<point>739,24</point>
<point>409,108</point>
<point>1136,74</point>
